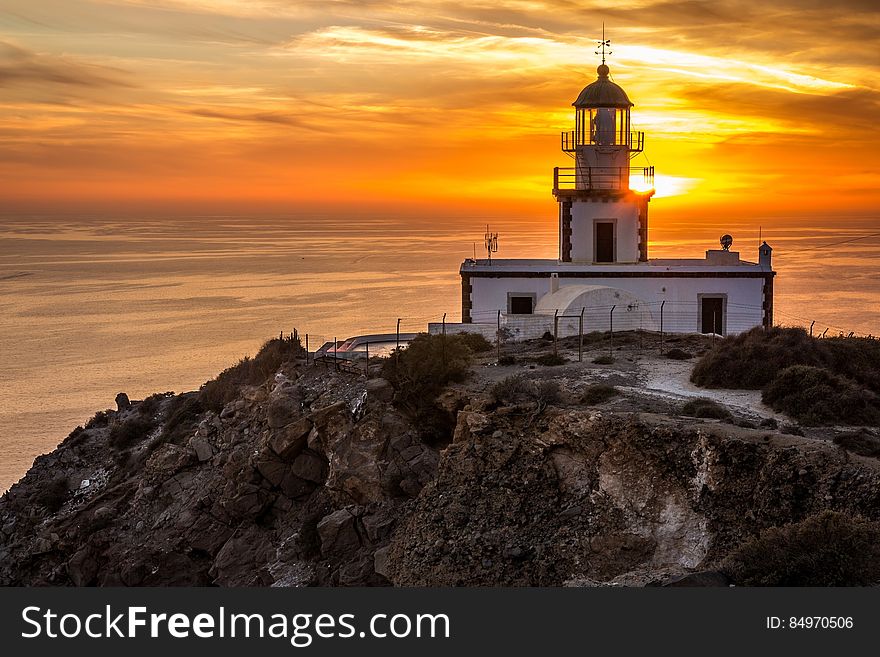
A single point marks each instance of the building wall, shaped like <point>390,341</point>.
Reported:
<point>584,214</point>
<point>681,313</point>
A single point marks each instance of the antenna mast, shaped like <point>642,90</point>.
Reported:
<point>490,241</point>
<point>604,43</point>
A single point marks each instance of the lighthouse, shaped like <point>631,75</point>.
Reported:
<point>603,201</point>
<point>603,276</point>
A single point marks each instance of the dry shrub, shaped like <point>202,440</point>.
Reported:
<point>598,394</point>
<point>815,396</point>
<point>827,549</point>
<point>678,354</point>
<point>860,442</point>
<point>419,373</point>
<point>215,394</point>
<point>705,408</point>
<point>125,434</point>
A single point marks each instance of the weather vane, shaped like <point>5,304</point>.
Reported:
<point>604,43</point>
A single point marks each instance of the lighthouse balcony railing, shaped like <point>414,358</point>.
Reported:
<point>610,178</point>
<point>571,140</point>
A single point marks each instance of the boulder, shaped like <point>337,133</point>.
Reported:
<point>82,567</point>
<point>338,533</point>
<point>122,402</point>
<point>202,448</point>
<point>379,390</point>
<point>310,467</point>
<point>169,459</point>
<point>288,441</point>
<point>285,405</point>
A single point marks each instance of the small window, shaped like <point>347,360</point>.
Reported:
<point>521,305</point>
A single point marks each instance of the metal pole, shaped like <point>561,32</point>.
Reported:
<point>307,348</point>
<point>556,332</point>
<point>443,340</point>
<point>335,360</point>
<point>498,337</point>
<point>581,337</point>
<point>397,349</point>
<point>611,330</point>
<point>367,366</point>
<point>714,326</point>
<point>662,303</point>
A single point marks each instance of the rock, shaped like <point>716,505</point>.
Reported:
<point>310,467</point>
<point>202,448</point>
<point>338,533</point>
<point>285,405</point>
<point>82,568</point>
<point>122,402</point>
<point>169,459</point>
<point>289,441</point>
<point>379,390</point>
<point>380,561</point>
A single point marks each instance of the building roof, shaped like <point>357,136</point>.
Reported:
<point>602,93</point>
<point>651,267</point>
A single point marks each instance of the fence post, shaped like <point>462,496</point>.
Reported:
<point>581,336</point>
<point>307,348</point>
<point>662,303</point>
<point>397,348</point>
<point>556,332</point>
<point>714,326</point>
<point>367,366</point>
<point>335,358</point>
<point>611,331</point>
<point>443,339</point>
<point>498,338</point>
<point>811,327</point>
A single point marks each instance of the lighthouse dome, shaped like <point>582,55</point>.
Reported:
<point>602,93</point>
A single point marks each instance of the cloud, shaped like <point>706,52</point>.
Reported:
<point>19,66</point>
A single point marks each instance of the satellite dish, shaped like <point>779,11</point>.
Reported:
<point>726,242</point>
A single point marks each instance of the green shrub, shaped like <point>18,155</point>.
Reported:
<point>603,360</point>
<point>215,394</point>
<point>678,354</point>
<point>827,549</point>
<point>598,394</point>
<point>476,342</point>
<point>127,433</point>
<point>814,396</point>
<point>705,408</point>
<point>419,373</point>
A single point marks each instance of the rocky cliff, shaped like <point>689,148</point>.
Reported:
<point>313,477</point>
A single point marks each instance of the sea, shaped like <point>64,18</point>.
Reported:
<point>94,306</point>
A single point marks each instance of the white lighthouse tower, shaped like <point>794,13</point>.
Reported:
<point>602,219</point>
<point>603,276</point>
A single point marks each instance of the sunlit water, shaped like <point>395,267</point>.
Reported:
<point>92,307</point>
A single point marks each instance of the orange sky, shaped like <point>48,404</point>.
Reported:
<point>273,105</point>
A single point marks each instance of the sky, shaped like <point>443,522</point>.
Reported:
<point>432,107</point>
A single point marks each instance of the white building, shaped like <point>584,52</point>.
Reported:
<point>603,275</point>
